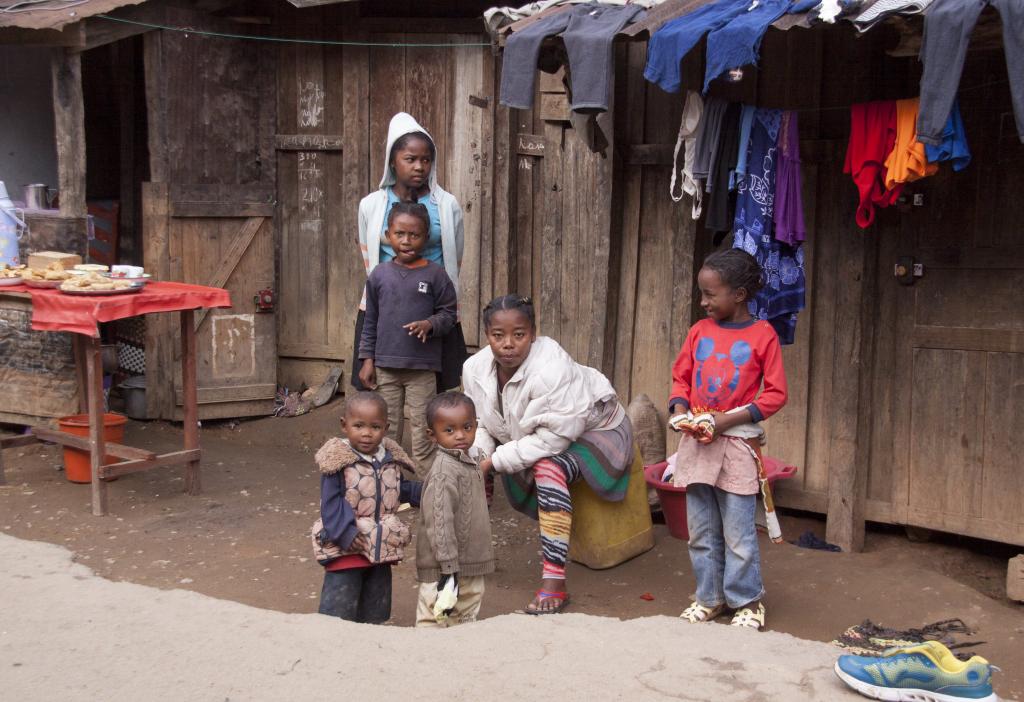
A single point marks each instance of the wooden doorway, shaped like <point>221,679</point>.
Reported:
<point>334,106</point>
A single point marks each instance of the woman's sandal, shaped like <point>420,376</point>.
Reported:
<point>697,613</point>
<point>749,618</point>
<point>543,596</point>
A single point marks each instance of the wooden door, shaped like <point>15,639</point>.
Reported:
<point>333,109</point>
<point>959,370</point>
<point>209,213</point>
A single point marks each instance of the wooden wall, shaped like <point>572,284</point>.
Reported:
<point>879,371</point>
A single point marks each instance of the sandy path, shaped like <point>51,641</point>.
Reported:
<point>68,634</point>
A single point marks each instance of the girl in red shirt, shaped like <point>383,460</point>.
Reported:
<point>715,403</point>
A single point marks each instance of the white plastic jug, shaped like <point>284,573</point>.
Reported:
<point>12,226</point>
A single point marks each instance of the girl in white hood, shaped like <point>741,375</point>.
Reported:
<point>409,175</point>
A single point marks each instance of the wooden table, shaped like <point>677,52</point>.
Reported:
<point>80,315</point>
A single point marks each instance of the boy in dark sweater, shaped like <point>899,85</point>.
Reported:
<point>410,306</point>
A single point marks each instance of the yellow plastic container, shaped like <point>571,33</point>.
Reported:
<point>605,534</point>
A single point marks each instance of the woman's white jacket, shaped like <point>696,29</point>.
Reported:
<point>549,402</point>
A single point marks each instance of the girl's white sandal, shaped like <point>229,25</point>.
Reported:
<point>749,619</point>
<point>697,613</point>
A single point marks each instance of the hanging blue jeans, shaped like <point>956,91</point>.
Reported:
<point>724,552</point>
<point>947,30</point>
<point>738,43</point>
<point>670,44</point>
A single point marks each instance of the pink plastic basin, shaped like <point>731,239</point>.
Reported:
<point>673,499</point>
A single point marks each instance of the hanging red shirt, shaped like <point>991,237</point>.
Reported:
<point>722,365</point>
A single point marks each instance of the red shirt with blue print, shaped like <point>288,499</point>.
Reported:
<point>722,365</point>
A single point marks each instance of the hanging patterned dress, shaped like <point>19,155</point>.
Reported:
<point>783,265</point>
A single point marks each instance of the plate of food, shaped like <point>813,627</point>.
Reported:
<point>10,276</point>
<point>50,277</point>
<point>95,284</point>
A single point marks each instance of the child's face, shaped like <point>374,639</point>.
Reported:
<point>365,426</point>
<point>408,237</point>
<point>412,164</point>
<point>454,427</point>
<point>510,336</point>
<point>718,300</point>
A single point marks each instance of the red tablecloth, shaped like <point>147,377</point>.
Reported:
<point>52,310</point>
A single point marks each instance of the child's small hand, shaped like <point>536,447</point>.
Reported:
<point>486,466</point>
<point>420,329</point>
<point>368,374</point>
<point>360,543</point>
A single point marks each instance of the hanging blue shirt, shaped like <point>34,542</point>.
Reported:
<point>953,147</point>
<point>433,251</point>
<point>783,265</point>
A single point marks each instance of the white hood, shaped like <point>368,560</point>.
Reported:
<point>401,124</point>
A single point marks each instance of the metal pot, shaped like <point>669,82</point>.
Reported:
<point>37,197</point>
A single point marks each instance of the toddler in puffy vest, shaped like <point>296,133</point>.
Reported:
<point>359,536</point>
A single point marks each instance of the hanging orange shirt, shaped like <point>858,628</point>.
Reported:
<point>908,161</point>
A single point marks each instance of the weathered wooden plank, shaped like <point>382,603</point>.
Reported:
<point>96,445</point>
<point>185,208</point>
<point>649,154</point>
<point>69,37</point>
<point>356,177</point>
<point>554,107</point>
<point>69,128</point>
<point>156,258</point>
<point>308,142</point>
<point>464,169</point>
<point>629,91</point>
<point>332,352</point>
<point>850,430</point>
<point>230,393</point>
<point>156,107</point>
<point>236,249</point>
<point>505,239</point>
<point>529,144</point>
<point>177,458</point>
<point>549,314</point>
<point>1002,482</point>
<point>82,444</point>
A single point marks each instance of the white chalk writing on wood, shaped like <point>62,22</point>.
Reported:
<point>311,103</point>
<point>311,192</point>
<point>530,145</point>
<point>307,142</point>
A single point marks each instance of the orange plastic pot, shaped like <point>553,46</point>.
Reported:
<point>76,462</point>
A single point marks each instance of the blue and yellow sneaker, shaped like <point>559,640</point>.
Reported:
<point>926,672</point>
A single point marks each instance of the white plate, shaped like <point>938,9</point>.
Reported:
<point>143,280</point>
<point>10,281</point>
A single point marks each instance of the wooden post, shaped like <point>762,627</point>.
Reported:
<point>81,360</point>
<point>97,448</point>
<point>189,398</point>
<point>850,431</point>
<point>69,128</point>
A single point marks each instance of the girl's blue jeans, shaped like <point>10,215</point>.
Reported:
<point>723,546</point>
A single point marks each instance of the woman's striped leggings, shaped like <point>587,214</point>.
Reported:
<point>554,510</point>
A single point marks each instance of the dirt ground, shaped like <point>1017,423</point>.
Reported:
<point>245,538</point>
